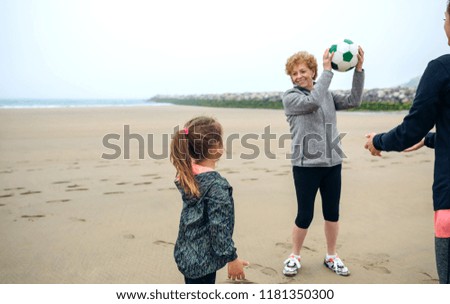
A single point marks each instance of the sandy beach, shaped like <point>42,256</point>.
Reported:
<point>69,215</point>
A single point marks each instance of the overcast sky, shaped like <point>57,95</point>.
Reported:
<point>137,48</point>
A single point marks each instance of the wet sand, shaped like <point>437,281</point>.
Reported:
<point>69,215</point>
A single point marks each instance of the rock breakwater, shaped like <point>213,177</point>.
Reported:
<point>392,95</point>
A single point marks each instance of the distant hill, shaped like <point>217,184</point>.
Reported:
<point>413,83</point>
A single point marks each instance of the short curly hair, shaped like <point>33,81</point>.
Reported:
<point>301,57</point>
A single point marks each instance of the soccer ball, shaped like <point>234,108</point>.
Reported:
<point>345,55</point>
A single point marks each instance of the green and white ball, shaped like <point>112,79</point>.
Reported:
<point>345,55</point>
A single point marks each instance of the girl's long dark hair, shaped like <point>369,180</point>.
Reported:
<point>192,144</point>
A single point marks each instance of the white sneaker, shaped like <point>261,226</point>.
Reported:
<point>291,266</point>
<point>337,266</point>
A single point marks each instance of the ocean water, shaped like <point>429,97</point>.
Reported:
<point>73,103</point>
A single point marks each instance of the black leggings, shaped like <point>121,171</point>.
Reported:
<point>310,179</point>
<point>207,279</point>
<point>442,247</point>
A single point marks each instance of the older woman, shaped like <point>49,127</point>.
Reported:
<point>310,109</point>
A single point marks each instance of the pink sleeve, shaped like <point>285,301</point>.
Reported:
<point>442,223</point>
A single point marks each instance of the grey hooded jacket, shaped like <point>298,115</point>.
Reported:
<point>312,120</point>
<point>204,243</point>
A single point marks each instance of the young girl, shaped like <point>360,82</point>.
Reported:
<point>204,243</point>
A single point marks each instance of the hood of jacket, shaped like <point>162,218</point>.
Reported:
<point>204,181</point>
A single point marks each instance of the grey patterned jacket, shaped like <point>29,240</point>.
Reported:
<point>204,243</point>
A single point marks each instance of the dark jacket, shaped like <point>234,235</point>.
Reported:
<point>431,108</point>
<point>204,243</point>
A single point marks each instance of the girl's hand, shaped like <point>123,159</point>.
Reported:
<point>236,269</point>
<point>359,65</point>
<point>327,60</point>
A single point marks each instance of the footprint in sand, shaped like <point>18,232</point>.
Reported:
<point>167,189</point>
<point>58,201</point>
<point>114,192</point>
<point>1,205</point>
<point>143,183</point>
<point>374,262</point>
<point>246,281</point>
<point>283,173</point>
<point>288,246</point>
<point>7,195</point>
<point>129,236</point>
<point>17,188</point>
<point>264,270</point>
<point>163,243</point>
<point>73,186</point>
<point>151,174</point>
<point>76,219</point>
<point>429,278</point>
<point>375,268</point>
<point>122,183</point>
<point>249,179</point>
<point>32,217</point>
<point>232,172</point>
<point>77,189</point>
<point>30,192</point>
<point>255,169</point>
<point>263,169</point>
<point>60,182</point>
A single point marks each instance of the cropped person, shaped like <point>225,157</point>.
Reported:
<point>431,108</point>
